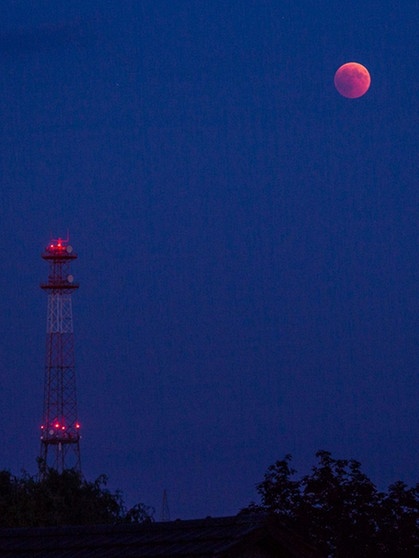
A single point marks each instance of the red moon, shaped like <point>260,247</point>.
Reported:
<point>352,80</point>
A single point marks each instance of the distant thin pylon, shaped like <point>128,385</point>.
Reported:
<point>165,513</point>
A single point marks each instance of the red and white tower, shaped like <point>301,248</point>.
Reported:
<point>60,430</point>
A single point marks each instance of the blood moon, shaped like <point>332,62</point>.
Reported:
<point>352,80</point>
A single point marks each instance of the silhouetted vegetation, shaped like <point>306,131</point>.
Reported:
<point>340,510</point>
<point>63,499</point>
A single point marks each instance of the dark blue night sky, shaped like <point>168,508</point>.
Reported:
<point>247,238</point>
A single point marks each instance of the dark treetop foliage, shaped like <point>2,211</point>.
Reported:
<point>62,499</point>
<point>340,510</point>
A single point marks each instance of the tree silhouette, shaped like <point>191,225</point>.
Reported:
<point>63,499</point>
<point>340,510</point>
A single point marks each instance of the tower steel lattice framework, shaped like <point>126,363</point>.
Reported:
<point>60,429</point>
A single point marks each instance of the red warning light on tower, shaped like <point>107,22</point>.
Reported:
<point>59,246</point>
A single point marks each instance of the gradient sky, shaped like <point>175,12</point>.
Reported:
<point>247,238</point>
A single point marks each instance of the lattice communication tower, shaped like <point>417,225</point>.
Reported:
<point>60,429</point>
